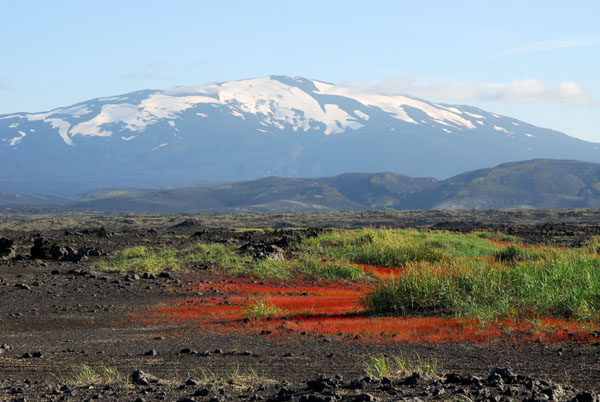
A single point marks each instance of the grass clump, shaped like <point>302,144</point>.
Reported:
<point>262,309</point>
<point>87,375</point>
<point>141,259</point>
<point>592,246</point>
<point>397,248</point>
<point>218,255</point>
<point>397,366</point>
<point>330,271</point>
<point>267,268</point>
<point>566,286</point>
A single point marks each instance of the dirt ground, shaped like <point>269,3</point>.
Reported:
<point>59,315</point>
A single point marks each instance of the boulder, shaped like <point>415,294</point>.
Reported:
<point>7,249</point>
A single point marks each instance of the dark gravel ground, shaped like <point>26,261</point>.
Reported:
<point>58,315</point>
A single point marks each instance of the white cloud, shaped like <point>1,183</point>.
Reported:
<point>535,91</point>
<point>550,45</point>
<point>526,90</point>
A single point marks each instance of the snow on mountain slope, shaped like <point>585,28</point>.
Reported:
<point>276,103</point>
<point>242,130</point>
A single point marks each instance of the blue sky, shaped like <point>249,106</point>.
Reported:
<point>534,60</point>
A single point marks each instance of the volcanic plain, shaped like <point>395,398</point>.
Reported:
<point>352,306</point>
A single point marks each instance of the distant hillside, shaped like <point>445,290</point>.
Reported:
<point>7,199</point>
<point>540,183</point>
<point>351,191</point>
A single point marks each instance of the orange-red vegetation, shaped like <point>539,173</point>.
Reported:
<point>333,309</point>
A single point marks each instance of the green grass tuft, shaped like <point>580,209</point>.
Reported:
<point>566,286</point>
<point>262,309</point>
<point>397,366</point>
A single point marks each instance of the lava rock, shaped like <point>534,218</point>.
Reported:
<point>507,376</point>
<point>141,378</point>
<point>7,249</point>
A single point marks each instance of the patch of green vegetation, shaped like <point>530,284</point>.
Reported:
<point>237,376</point>
<point>262,308</point>
<point>141,259</point>
<point>268,268</point>
<point>395,248</point>
<point>218,255</point>
<point>566,285</point>
<point>398,366</point>
<point>87,375</point>
<point>592,246</point>
<point>330,271</point>
<point>512,254</point>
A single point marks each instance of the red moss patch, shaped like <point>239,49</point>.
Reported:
<point>333,309</point>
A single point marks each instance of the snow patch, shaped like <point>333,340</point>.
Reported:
<point>515,123</point>
<point>171,123</point>
<point>281,105</point>
<point>161,106</point>
<point>395,104</point>
<point>502,129</point>
<point>202,114</point>
<point>362,115</point>
<point>14,125</point>
<point>160,146</point>
<point>131,137</point>
<point>480,122</point>
<point>530,135</point>
<point>15,140</point>
<point>446,130</point>
<point>112,113</point>
<point>63,129</point>
<point>237,114</point>
<point>112,98</point>
<point>75,111</point>
<point>477,116</point>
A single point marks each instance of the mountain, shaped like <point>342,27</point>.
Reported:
<point>8,199</point>
<point>530,184</point>
<point>271,126</point>
<point>546,184</point>
<point>351,191</point>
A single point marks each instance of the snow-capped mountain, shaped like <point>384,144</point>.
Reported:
<point>277,125</point>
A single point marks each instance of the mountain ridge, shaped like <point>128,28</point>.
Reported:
<point>540,183</point>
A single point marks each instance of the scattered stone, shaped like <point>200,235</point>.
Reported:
<point>412,380</point>
<point>364,398</point>
<point>141,378</point>
<point>586,397</point>
<point>7,249</point>
<point>202,392</point>
<point>29,355</point>
<point>151,352</point>
<point>192,381</point>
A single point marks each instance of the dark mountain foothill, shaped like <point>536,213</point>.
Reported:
<point>543,183</point>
